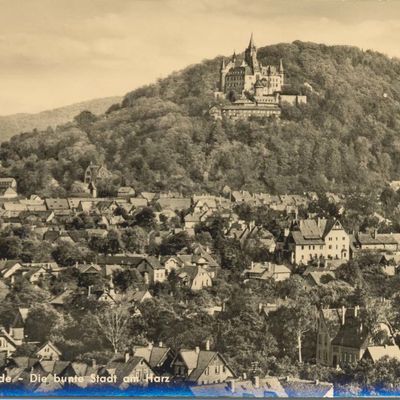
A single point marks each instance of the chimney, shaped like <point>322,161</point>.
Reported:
<point>208,345</point>
<point>256,381</point>
<point>197,349</point>
<point>231,385</point>
<point>343,314</point>
<point>127,356</point>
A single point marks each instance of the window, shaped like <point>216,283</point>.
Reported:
<point>330,247</point>
<point>217,370</point>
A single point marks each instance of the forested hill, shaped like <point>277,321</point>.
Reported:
<point>346,138</point>
<point>25,122</point>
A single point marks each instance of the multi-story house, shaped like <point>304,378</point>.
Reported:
<point>200,367</point>
<point>195,277</point>
<point>159,357</point>
<point>318,240</point>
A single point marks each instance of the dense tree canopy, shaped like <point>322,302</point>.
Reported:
<point>161,136</point>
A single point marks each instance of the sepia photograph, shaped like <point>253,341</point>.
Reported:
<point>199,198</point>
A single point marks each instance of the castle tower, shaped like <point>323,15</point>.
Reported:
<point>258,88</point>
<point>250,56</point>
<point>281,72</point>
<point>222,74</point>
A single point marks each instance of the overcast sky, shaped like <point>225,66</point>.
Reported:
<point>57,52</point>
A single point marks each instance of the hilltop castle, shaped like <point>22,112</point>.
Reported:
<point>250,75</point>
<point>253,88</point>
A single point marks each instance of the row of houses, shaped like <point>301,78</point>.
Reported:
<point>205,372</point>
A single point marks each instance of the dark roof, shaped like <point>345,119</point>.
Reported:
<point>353,333</point>
<point>122,368</point>
<point>366,239</point>
<point>153,355</point>
<point>198,361</point>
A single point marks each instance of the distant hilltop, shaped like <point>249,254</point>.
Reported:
<point>17,123</point>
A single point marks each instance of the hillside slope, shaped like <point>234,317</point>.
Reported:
<point>345,139</point>
<point>24,122</point>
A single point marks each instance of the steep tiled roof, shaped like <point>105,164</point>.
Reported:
<point>153,355</point>
<point>122,369</point>
<point>198,361</point>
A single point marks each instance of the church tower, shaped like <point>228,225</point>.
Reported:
<point>250,56</point>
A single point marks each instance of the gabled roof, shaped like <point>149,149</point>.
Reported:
<point>61,298</point>
<point>141,295</point>
<point>315,277</point>
<point>5,335</point>
<point>378,352</point>
<point>24,362</point>
<point>89,268</point>
<point>154,355</point>
<point>191,271</point>
<point>57,204</point>
<point>52,346</point>
<point>122,369</point>
<point>55,367</point>
<point>198,360</point>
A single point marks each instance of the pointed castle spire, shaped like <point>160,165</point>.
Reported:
<point>280,66</point>
<point>251,43</point>
<point>223,63</point>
